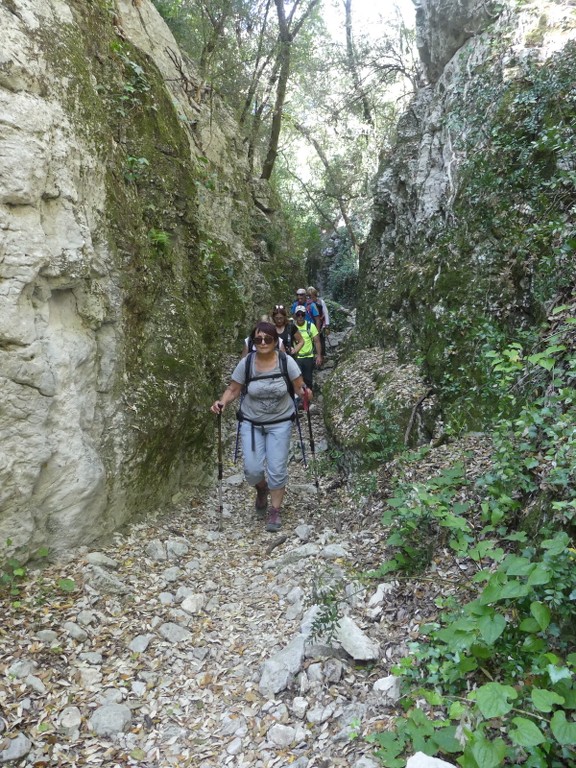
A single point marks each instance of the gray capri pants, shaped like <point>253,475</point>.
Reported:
<point>268,445</point>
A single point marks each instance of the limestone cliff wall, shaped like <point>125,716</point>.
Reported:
<point>472,233</point>
<point>130,256</point>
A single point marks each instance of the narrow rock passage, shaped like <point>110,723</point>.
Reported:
<point>185,645</point>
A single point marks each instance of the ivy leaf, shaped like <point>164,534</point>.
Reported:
<point>491,627</point>
<point>544,700</point>
<point>513,589</point>
<point>432,697</point>
<point>557,545</point>
<point>492,699</point>
<point>540,575</point>
<point>558,673</point>
<point>43,552</point>
<point>390,745</point>
<point>527,734</point>
<point>541,613</point>
<point>564,732</point>
<point>446,739</point>
<point>529,625</point>
<point>488,754</point>
<point>457,523</point>
<point>457,709</point>
<point>514,565</point>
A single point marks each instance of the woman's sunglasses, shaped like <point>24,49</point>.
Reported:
<point>263,339</point>
<point>279,306</point>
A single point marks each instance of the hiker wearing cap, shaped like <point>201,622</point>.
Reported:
<point>311,309</point>
<point>324,316</point>
<point>268,379</point>
<point>309,353</point>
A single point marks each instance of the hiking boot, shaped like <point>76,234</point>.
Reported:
<point>261,503</point>
<point>273,523</point>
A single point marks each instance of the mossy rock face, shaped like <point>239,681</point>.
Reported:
<point>190,259</point>
<point>369,406</point>
<point>473,232</point>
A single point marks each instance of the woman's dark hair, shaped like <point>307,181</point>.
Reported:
<point>279,310</point>
<point>268,328</point>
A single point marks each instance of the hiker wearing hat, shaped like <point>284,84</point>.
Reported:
<point>268,379</point>
<point>324,318</point>
<point>309,352</point>
<point>310,308</point>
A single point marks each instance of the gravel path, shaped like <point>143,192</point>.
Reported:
<point>190,640</point>
<point>155,655</point>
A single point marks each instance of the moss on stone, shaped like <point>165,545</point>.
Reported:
<point>479,277</point>
<point>183,290</point>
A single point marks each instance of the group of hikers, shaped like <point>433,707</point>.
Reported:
<point>274,372</point>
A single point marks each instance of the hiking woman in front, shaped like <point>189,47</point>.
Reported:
<point>266,414</point>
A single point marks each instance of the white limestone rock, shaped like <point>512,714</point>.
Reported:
<point>110,719</point>
<point>366,762</point>
<point>174,633</point>
<point>420,760</point>
<point>355,642</point>
<point>281,736</point>
<point>140,643</point>
<point>388,688</point>
<point>69,721</point>
<point>194,603</point>
<point>279,671</point>
<point>99,558</point>
<point>15,749</point>
<point>104,582</point>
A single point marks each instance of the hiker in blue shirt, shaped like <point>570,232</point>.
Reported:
<point>312,314</point>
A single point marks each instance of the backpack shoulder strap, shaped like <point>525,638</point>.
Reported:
<point>248,369</point>
<point>284,368</point>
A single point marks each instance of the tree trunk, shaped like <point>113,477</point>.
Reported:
<point>353,65</point>
<point>287,33</point>
<point>277,115</point>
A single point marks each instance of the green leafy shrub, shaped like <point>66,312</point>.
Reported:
<point>382,439</point>
<point>422,515</point>
<point>14,574</point>
<point>497,669</point>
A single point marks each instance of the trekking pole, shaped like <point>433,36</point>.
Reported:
<point>300,435</point>
<point>237,442</point>
<point>238,429</point>
<point>307,409</point>
<point>220,470</point>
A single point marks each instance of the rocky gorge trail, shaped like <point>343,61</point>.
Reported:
<point>184,640</point>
